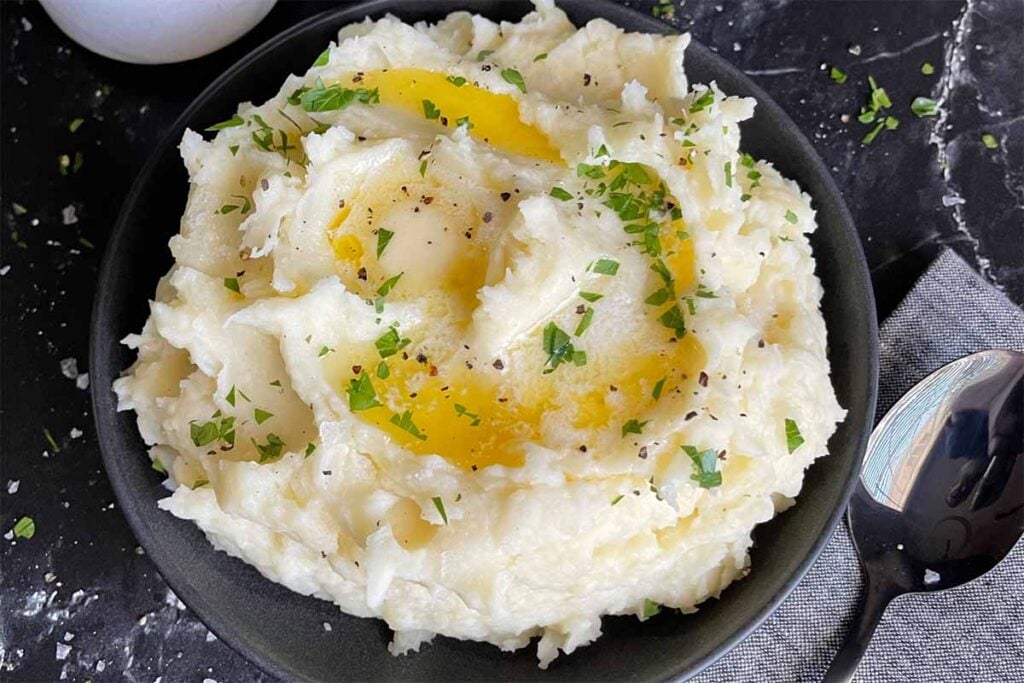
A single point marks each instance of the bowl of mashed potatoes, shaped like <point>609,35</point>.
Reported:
<point>479,338</point>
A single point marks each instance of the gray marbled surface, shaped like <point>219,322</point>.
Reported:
<point>80,600</point>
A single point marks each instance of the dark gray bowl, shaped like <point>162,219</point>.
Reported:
<point>281,631</point>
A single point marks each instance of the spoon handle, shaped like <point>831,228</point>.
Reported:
<point>844,665</point>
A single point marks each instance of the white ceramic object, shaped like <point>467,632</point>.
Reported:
<point>155,31</point>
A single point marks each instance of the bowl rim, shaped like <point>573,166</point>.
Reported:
<point>104,407</point>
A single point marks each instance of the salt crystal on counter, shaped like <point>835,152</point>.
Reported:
<point>12,486</point>
<point>68,215</point>
<point>63,651</point>
<point>69,367</point>
<point>82,381</point>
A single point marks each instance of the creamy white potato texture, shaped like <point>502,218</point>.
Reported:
<point>487,331</point>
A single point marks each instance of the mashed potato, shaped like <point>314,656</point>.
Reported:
<point>487,331</point>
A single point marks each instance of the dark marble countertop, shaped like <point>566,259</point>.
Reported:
<point>80,600</point>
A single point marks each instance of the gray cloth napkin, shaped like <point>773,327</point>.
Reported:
<point>971,633</point>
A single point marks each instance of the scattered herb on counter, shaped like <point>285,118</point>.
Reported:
<point>439,504</point>
<point>361,394</point>
<point>989,141</point>
<point>75,125</point>
<point>837,74</point>
<point>873,133</point>
<point>404,422</point>
<point>234,121</point>
<point>50,440</point>
<point>383,238</point>
<point>793,437</point>
<point>457,81</point>
<point>25,528</point>
<point>19,210</point>
<point>705,464</point>
<point>515,78</point>
<point>261,415</point>
<point>461,410</point>
<point>927,69</point>
<point>634,426</point>
<point>923,106</point>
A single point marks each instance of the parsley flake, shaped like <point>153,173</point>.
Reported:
<point>461,410</point>
<point>439,504</point>
<point>310,448</point>
<point>541,57</point>
<point>361,394</point>
<point>382,370</point>
<point>651,608</point>
<point>383,238</point>
<point>404,422</point>
<point>269,450</point>
<point>457,81</point>
<point>75,125</point>
<point>261,415</point>
<point>515,78</point>
<point>588,316</point>
<point>633,426</point>
<point>232,284</point>
<point>658,387</point>
<point>791,217</point>
<point>923,106</point>
<point>431,111</point>
<point>591,296</point>
<point>617,498</point>
<point>605,266</point>
<point>25,528</point>
<point>390,343</point>
<point>705,465</point>
<point>323,58</point>
<point>793,437</point>
<point>560,193</point>
<point>234,121</point>
<point>837,75</point>
<point>927,69</point>
<point>334,98</point>
<point>558,345</point>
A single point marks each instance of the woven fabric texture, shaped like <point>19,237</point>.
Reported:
<point>972,633</point>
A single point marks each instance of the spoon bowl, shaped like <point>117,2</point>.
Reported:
<point>941,497</point>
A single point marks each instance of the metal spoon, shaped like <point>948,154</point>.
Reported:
<point>941,497</point>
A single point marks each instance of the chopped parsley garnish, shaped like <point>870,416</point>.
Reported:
<point>793,437</point>
<point>361,394</point>
<point>75,125</point>
<point>591,296</point>
<point>464,121</point>
<point>461,410</point>
<point>558,345</point>
<point>703,102</point>
<point>232,284</point>
<point>261,415</point>
<point>515,78</point>
<point>234,121</point>
<point>335,97</point>
<point>382,370</point>
<point>541,57</point>
<point>592,171</point>
<point>873,133</point>
<point>922,106</point>
<point>199,483</point>
<point>383,238</point>
<point>673,319</point>
<point>25,528</point>
<point>658,387</point>
<point>457,81</point>
<point>651,608</point>
<point>790,216</point>
<point>423,168</point>
<point>588,316</point>
<point>205,433</point>
<point>872,112</point>
<point>605,266</point>
<point>430,110</point>
<point>705,293</point>
<point>276,383</point>
<point>230,398</point>
<point>310,448</point>
<point>560,193</point>
<point>634,426</point>
<point>388,285</point>
<point>296,97</point>
<point>927,69</point>
<point>390,343</point>
<point>323,59</point>
<point>837,74</point>
<point>324,350</point>
<point>705,465</point>
<point>484,54</point>
<point>728,174</point>
<point>245,206</point>
<point>271,449</point>
<point>617,498</point>
<point>404,422</point>
<point>439,504</point>
<point>989,141</point>
<point>158,466</point>
<point>19,210</point>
